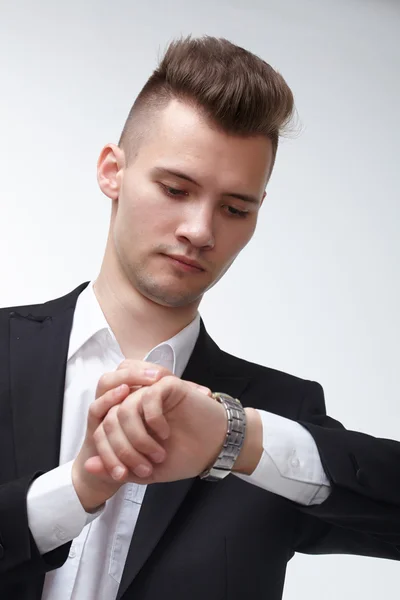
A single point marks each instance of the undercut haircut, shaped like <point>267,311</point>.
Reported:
<point>238,92</point>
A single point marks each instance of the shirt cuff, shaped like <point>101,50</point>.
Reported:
<point>55,514</point>
<point>290,465</point>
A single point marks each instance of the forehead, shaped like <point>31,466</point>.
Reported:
<point>182,137</point>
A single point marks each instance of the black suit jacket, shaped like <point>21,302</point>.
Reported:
<point>193,539</point>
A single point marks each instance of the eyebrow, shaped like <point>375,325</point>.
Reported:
<point>180,175</point>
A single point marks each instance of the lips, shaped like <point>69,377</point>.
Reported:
<point>186,261</point>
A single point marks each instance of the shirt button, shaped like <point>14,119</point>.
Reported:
<point>361,477</point>
<point>295,463</point>
<point>72,553</point>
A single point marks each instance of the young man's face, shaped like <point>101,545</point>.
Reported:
<point>191,194</point>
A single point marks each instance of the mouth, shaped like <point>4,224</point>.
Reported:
<point>185,263</point>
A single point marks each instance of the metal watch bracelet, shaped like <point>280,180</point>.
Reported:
<point>236,429</point>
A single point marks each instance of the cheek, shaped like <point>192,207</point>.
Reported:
<point>236,239</point>
<point>134,207</point>
<point>144,216</point>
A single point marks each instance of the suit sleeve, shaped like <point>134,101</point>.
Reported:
<point>362,513</point>
<point>19,555</point>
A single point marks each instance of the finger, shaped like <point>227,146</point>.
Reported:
<point>143,365</point>
<point>134,375</point>
<point>100,407</point>
<point>118,454</point>
<point>95,466</point>
<point>172,391</point>
<point>200,388</point>
<point>151,405</point>
<point>130,421</point>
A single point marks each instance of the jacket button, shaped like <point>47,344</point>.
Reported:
<point>362,477</point>
<point>1,551</point>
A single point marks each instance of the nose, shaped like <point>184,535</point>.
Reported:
<point>196,227</point>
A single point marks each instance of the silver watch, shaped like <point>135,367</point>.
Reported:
<point>234,438</point>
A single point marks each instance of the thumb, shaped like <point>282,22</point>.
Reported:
<point>95,466</point>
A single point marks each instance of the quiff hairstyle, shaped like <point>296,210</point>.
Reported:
<point>237,91</point>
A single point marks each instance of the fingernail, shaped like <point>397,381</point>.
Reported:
<point>151,373</point>
<point>206,390</point>
<point>118,472</point>
<point>142,471</point>
<point>157,457</point>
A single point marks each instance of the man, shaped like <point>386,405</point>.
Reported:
<point>124,473</point>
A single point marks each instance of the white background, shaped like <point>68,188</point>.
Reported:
<point>317,292</point>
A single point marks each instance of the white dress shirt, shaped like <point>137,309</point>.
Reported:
<point>290,465</point>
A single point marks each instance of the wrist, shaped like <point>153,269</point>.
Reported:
<point>92,492</point>
<point>252,448</point>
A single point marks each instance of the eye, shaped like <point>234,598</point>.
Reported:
<point>172,192</point>
<point>235,212</point>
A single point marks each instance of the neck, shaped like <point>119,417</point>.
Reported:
<point>138,323</point>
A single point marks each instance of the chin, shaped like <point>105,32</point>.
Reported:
<point>166,296</point>
<point>169,291</point>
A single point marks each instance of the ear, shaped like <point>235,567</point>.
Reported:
<point>109,170</point>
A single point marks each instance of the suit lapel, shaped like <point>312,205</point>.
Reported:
<point>162,501</point>
<point>38,355</point>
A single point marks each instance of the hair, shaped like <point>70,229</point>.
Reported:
<point>237,91</point>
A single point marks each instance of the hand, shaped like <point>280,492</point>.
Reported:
<point>94,489</point>
<point>188,426</point>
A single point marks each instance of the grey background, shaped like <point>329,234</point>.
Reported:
<point>317,291</point>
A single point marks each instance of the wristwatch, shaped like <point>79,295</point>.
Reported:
<point>234,439</point>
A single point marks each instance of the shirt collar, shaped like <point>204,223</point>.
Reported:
<point>89,320</point>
